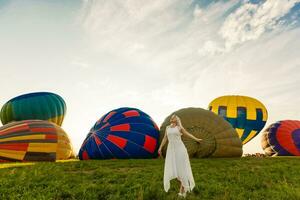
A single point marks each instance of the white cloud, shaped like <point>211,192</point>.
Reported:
<point>80,64</point>
<point>210,48</point>
<point>250,21</point>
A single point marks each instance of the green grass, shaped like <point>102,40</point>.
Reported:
<point>239,178</point>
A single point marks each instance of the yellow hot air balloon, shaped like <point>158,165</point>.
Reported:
<point>246,114</point>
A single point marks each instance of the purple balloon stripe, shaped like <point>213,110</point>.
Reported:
<point>280,150</point>
<point>296,138</point>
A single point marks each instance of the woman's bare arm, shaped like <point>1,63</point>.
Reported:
<point>163,142</point>
<point>186,133</point>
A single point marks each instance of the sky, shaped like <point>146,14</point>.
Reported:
<point>158,56</point>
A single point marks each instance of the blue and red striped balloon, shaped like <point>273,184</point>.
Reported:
<point>282,138</point>
<point>121,133</point>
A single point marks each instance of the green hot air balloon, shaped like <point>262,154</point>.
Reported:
<point>40,105</point>
<point>219,138</point>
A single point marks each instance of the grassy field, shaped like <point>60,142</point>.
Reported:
<point>244,178</point>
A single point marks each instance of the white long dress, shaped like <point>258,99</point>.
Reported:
<point>177,163</point>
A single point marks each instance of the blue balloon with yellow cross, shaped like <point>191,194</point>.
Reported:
<point>246,114</point>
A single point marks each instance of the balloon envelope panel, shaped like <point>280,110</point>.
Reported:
<point>34,140</point>
<point>282,138</point>
<point>247,115</point>
<point>219,138</point>
<point>121,133</point>
<point>40,105</point>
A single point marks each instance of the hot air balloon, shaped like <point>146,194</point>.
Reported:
<point>121,133</point>
<point>41,105</point>
<point>282,138</point>
<point>219,138</point>
<point>34,140</point>
<point>247,115</point>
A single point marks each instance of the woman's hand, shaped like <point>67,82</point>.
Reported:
<point>159,151</point>
<point>198,140</point>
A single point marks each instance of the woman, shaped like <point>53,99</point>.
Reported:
<point>177,164</point>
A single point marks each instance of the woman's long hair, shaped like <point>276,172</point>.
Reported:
<point>178,121</point>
